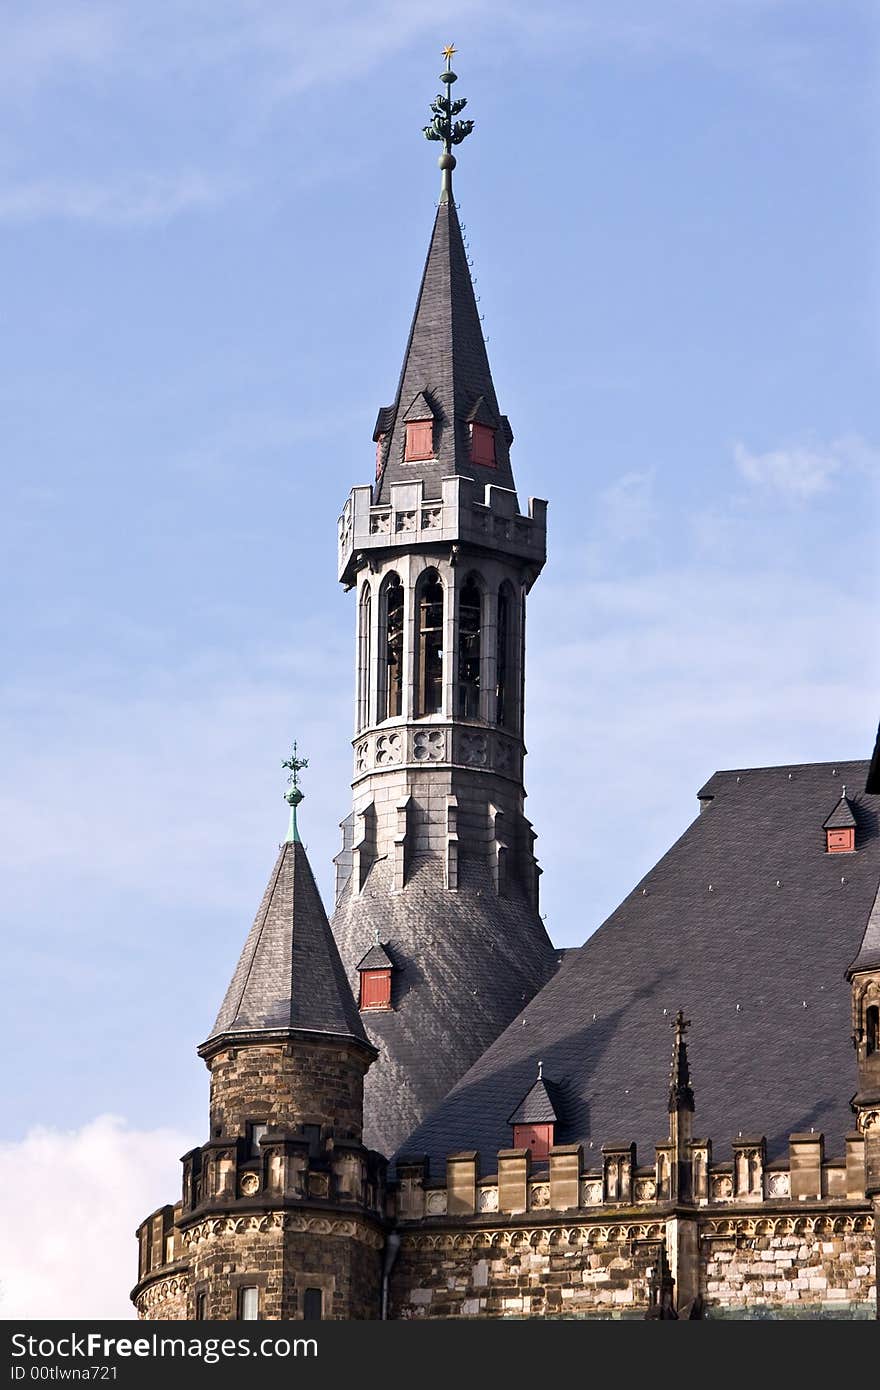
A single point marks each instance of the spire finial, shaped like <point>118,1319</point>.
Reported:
<point>540,1070</point>
<point>293,796</point>
<point>445,127</point>
<point>681,1095</point>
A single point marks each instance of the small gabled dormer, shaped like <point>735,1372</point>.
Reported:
<point>840,828</point>
<point>535,1118</point>
<point>419,420</point>
<point>374,971</point>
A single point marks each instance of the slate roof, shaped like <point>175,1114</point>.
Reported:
<point>289,975</point>
<point>465,962</point>
<point>536,1108</point>
<point>749,926</point>
<point>377,958</point>
<point>446,360</point>
<point>841,817</point>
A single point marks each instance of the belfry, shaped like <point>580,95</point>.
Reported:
<point>438,855</point>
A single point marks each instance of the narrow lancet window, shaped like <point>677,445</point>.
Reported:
<point>393,647</point>
<point>470,607</point>
<point>364,650</point>
<point>872,1029</point>
<point>504,713</point>
<point>429,657</point>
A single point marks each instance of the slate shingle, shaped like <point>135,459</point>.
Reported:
<point>758,963</point>
<point>446,359</point>
<point>289,974</point>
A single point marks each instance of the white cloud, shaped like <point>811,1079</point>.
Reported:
<point>802,471</point>
<point>69,1205</point>
<point>136,200</point>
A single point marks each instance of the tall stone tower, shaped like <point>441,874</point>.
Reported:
<point>437,867</point>
<point>282,1213</point>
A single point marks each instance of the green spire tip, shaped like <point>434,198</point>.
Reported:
<point>293,796</point>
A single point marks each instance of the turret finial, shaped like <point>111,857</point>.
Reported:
<point>293,796</point>
<point>445,127</point>
<point>540,1070</point>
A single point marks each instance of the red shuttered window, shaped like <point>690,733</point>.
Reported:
<point>375,989</point>
<point>483,445</point>
<point>538,1138</point>
<point>419,440</point>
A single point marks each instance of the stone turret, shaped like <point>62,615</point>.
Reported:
<point>282,1214</point>
<point>437,851</point>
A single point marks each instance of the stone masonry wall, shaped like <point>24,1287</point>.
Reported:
<point>283,1257</point>
<point>286,1085</point>
<point>514,1274</point>
<point>790,1272</point>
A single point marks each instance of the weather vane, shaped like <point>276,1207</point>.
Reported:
<point>293,796</point>
<point>444,125</point>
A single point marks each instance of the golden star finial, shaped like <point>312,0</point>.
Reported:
<point>448,52</point>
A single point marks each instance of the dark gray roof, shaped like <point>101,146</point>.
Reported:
<point>536,1108</point>
<point>868,955</point>
<point>465,962</point>
<point>841,817</point>
<point>873,782</point>
<point>289,975</point>
<point>746,923</point>
<point>446,359</point>
<point>377,958</point>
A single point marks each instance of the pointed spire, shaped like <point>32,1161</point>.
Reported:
<point>445,377</point>
<point>681,1095</point>
<point>289,977</point>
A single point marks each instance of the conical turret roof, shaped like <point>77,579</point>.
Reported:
<point>289,976</point>
<point>445,373</point>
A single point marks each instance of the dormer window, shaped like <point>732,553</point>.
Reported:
<point>419,440</point>
<point>534,1120</point>
<point>374,971</point>
<point>840,828</point>
<point>483,445</point>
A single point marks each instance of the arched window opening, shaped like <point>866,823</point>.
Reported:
<point>429,653</point>
<point>393,647</point>
<point>872,1028</point>
<point>470,622</point>
<point>364,653</point>
<point>505,714</point>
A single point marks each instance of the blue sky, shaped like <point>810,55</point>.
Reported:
<point>213,218</point>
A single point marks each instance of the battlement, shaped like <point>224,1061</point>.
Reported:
<point>517,1186</point>
<point>460,516</point>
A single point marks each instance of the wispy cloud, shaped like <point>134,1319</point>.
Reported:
<point>95,1183</point>
<point>802,471</point>
<point>134,201</point>
<point>628,506</point>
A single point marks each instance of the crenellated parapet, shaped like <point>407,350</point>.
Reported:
<point>515,1185</point>
<point>565,1238</point>
<point>466,514</point>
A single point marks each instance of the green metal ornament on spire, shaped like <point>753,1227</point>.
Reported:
<point>293,796</point>
<point>444,125</point>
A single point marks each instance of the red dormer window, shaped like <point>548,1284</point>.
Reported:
<point>483,445</point>
<point>375,989</point>
<point>375,978</point>
<point>538,1138</point>
<point>840,828</point>
<point>419,440</point>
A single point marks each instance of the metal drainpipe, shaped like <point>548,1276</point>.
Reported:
<point>392,1245</point>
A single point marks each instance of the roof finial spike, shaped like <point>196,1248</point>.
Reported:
<point>445,127</point>
<point>540,1070</point>
<point>843,793</point>
<point>294,795</point>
